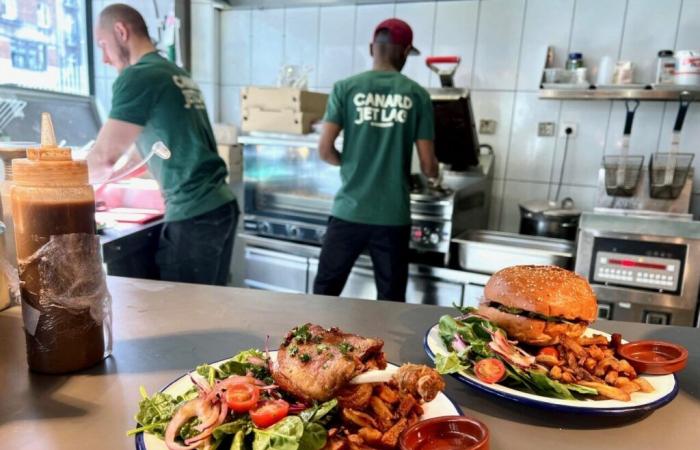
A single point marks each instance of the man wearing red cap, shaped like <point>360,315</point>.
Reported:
<point>383,114</point>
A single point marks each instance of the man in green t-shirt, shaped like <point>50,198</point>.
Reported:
<point>382,114</point>
<point>154,100</point>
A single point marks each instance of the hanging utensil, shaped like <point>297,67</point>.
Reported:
<point>446,75</point>
<point>669,171</point>
<point>622,171</point>
<point>676,138</point>
<point>624,153</point>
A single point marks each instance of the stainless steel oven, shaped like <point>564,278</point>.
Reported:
<point>289,191</point>
<point>642,269</point>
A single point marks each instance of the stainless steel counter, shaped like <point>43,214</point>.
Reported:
<point>164,329</point>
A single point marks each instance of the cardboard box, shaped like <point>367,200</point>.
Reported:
<point>284,121</point>
<point>283,98</point>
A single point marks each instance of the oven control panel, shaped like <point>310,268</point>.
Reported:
<point>430,236</point>
<point>638,264</point>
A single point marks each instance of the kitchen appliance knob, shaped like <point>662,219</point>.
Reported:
<point>293,231</point>
<point>434,238</point>
<point>264,227</point>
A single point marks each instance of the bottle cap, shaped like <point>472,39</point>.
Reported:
<point>49,164</point>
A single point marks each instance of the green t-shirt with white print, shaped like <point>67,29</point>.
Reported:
<point>161,97</point>
<point>382,115</point>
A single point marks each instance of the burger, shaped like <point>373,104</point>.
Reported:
<point>538,305</point>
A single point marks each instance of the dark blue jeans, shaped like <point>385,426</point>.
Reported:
<point>198,250</point>
<point>342,245</point>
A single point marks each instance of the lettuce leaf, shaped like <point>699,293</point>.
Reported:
<point>284,435</point>
<point>449,364</point>
<point>156,411</point>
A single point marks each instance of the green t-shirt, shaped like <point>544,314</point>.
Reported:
<point>161,97</point>
<point>382,115</point>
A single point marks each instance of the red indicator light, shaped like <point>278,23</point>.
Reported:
<point>632,263</point>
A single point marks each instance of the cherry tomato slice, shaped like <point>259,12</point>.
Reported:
<point>242,397</point>
<point>490,370</point>
<point>269,413</point>
<point>549,351</point>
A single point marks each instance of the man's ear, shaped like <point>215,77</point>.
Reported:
<point>371,49</point>
<point>121,31</point>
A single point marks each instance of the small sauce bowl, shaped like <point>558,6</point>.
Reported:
<point>446,433</point>
<point>654,357</point>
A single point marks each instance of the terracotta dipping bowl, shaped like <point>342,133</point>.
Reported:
<point>654,357</point>
<point>446,433</point>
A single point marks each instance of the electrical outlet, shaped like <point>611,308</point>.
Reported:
<point>565,126</point>
<point>545,129</point>
<point>487,126</point>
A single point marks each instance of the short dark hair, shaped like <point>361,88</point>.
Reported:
<point>120,12</point>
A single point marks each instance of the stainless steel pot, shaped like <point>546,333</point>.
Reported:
<point>550,219</point>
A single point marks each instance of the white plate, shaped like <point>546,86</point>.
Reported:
<point>665,388</point>
<point>442,405</point>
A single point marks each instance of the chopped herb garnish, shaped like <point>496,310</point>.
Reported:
<point>305,357</point>
<point>293,350</point>
<point>302,334</point>
<point>345,347</point>
<point>320,348</point>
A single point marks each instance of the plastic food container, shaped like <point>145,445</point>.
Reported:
<point>687,67</point>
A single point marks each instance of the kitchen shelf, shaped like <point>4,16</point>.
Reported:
<point>618,94</point>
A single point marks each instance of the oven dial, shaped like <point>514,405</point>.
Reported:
<point>434,238</point>
<point>293,231</point>
<point>264,227</point>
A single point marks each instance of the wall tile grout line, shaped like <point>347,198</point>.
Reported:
<point>318,49</point>
<point>624,24</point>
<point>476,44</point>
<point>432,45</point>
<point>512,115</point>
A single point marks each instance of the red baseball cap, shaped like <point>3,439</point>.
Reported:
<point>400,32</point>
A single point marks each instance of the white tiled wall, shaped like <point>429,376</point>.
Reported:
<point>502,44</point>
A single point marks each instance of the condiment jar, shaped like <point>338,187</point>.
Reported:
<point>665,67</point>
<point>574,62</point>
<point>65,303</point>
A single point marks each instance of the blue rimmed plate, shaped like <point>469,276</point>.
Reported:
<point>665,388</point>
<point>442,405</point>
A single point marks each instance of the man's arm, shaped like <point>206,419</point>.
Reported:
<point>113,140</point>
<point>426,155</point>
<point>326,145</point>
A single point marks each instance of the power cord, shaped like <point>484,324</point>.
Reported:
<point>568,131</point>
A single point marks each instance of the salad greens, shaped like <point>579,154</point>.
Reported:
<point>242,363</point>
<point>471,338</point>
<point>155,411</point>
<point>303,432</point>
<point>306,431</point>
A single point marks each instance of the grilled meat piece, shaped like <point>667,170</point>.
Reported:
<point>420,381</point>
<point>313,363</point>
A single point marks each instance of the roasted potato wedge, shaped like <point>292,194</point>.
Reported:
<point>359,418</point>
<point>391,437</point>
<point>607,391</point>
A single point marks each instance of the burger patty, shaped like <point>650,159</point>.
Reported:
<point>532,315</point>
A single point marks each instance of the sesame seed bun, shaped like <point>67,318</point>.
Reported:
<point>549,291</point>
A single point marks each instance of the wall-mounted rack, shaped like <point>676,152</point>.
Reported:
<point>620,94</point>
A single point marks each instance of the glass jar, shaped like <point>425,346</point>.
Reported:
<point>665,67</point>
<point>574,62</point>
